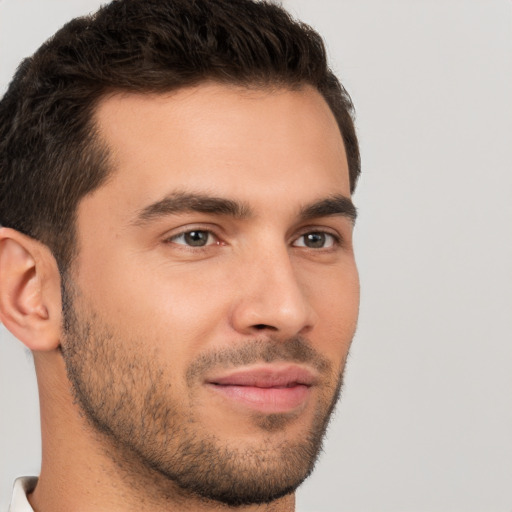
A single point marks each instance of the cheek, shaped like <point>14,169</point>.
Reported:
<point>175,310</point>
<point>337,306</point>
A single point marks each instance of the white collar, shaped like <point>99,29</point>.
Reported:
<point>22,486</point>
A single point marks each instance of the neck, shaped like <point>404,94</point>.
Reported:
<point>83,471</point>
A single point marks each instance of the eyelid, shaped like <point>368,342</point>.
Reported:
<point>218,239</point>
<point>208,243</point>
<point>334,233</point>
<point>335,240</point>
<point>183,230</point>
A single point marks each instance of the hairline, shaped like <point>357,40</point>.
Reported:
<point>98,147</point>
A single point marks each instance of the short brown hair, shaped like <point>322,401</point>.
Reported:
<point>50,154</point>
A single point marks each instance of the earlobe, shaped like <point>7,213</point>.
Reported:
<point>30,303</point>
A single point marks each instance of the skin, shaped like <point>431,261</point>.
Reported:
<point>159,305</point>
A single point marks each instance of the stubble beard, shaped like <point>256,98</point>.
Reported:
<point>126,397</point>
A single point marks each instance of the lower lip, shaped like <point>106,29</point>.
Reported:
<point>266,400</point>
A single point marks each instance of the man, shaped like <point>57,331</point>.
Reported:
<point>176,251</point>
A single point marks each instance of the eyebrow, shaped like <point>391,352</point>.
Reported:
<point>182,202</point>
<point>337,205</point>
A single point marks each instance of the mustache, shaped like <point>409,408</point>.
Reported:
<point>268,350</point>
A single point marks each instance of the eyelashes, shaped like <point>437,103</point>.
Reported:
<point>195,238</point>
<point>317,240</point>
<point>200,238</point>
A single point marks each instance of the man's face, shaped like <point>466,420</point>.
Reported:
<point>209,313</point>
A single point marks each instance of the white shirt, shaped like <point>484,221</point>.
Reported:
<point>22,486</point>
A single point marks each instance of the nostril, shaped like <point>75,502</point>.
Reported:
<point>261,327</point>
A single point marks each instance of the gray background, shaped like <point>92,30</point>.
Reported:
<point>425,422</point>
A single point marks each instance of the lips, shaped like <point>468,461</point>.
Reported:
<point>267,389</point>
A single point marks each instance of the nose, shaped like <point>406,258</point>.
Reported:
<point>271,299</point>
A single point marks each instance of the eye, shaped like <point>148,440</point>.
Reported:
<point>195,238</point>
<point>316,240</point>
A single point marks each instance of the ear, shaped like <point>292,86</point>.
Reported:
<point>30,299</point>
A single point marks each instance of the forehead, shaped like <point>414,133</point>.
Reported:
<point>223,140</point>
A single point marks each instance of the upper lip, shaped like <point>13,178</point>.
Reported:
<point>266,376</point>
